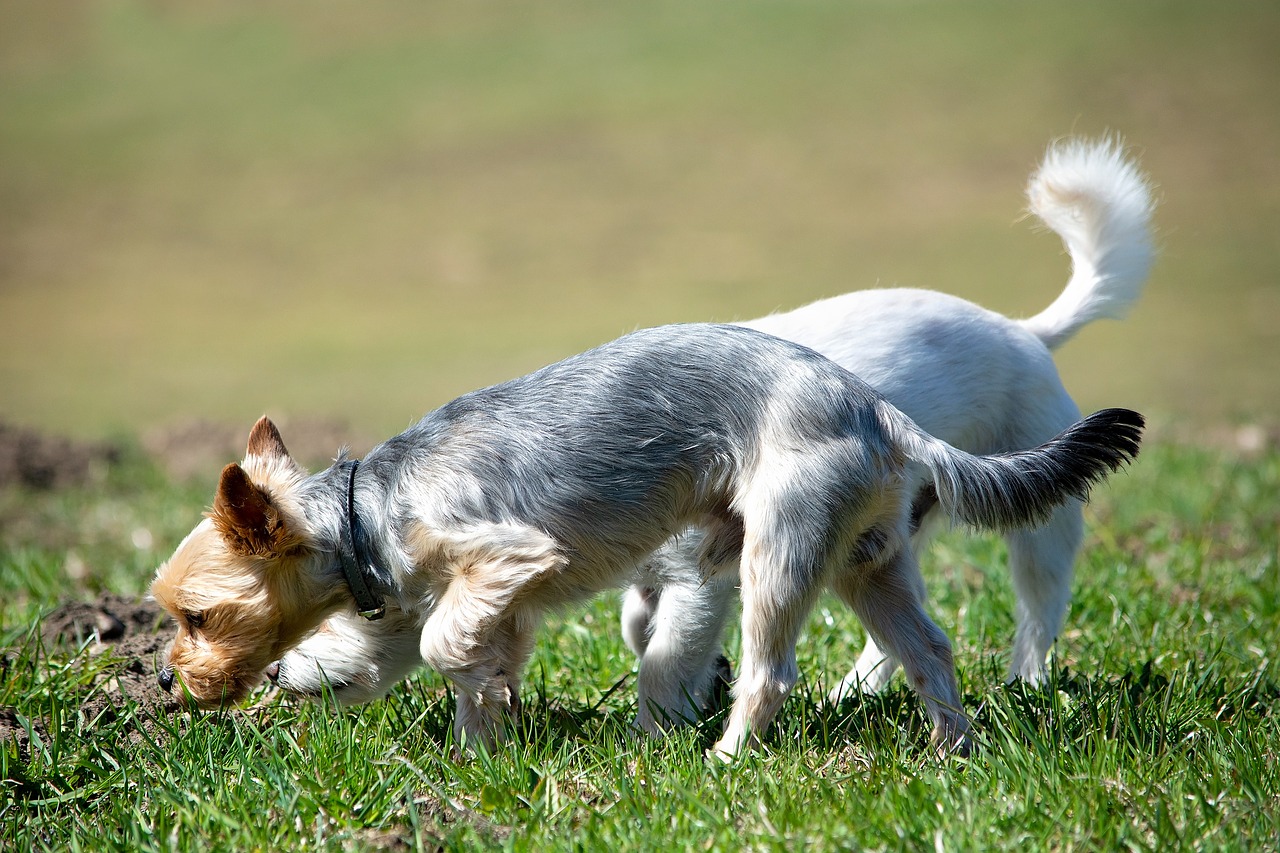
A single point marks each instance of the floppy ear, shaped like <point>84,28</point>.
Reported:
<point>265,440</point>
<point>246,517</point>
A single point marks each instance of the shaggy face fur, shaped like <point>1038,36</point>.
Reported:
<point>518,498</point>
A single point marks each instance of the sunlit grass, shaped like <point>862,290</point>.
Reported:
<point>1158,732</point>
<point>227,209</point>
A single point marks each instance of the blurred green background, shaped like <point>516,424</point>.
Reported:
<point>363,209</point>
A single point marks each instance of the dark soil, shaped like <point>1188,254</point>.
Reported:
<point>138,632</point>
<point>133,633</point>
<point>112,619</point>
<point>14,730</point>
<point>39,461</point>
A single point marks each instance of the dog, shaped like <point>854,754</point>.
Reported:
<point>974,378</point>
<point>515,499</point>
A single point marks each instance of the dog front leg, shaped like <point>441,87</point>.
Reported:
<point>485,671</point>
<point>639,604</point>
<point>459,653</point>
<point>480,631</point>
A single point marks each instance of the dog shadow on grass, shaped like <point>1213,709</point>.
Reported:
<point>1146,709</point>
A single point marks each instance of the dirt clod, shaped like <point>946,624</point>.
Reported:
<point>109,619</point>
<point>41,461</point>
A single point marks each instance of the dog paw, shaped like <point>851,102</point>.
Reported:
<point>731,747</point>
<point>954,741</point>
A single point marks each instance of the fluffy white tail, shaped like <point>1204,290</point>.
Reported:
<point>1100,204</point>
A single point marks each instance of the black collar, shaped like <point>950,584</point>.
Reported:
<point>355,557</point>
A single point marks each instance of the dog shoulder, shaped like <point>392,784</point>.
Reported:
<point>484,551</point>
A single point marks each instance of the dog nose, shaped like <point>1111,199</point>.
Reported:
<point>273,672</point>
<point>165,677</point>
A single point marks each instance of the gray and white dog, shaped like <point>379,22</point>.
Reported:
<point>978,380</point>
<point>519,498</point>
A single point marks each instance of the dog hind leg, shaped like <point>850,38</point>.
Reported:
<point>887,598</point>
<point>779,586</point>
<point>875,668</point>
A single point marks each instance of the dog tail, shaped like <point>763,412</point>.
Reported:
<point>1100,204</point>
<point>1021,488</point>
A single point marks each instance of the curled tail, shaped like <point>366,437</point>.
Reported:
<point>1021,488</point>
<point>1100,204</point>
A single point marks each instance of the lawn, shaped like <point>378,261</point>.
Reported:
<point>1159,730</point>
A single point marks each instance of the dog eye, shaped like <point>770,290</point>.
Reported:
<point>195,619</point>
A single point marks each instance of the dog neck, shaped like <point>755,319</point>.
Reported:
<point>355,553</point>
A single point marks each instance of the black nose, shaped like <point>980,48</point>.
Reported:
<point>165,677</point>
<point>273,672</point>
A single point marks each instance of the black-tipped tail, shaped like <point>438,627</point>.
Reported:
<point>1016,489</point>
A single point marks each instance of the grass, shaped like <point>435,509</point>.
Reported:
<point>1159,730</point>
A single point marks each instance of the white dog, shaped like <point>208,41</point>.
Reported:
<point>976,379</point>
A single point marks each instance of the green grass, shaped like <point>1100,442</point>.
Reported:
<point>1159,731</point>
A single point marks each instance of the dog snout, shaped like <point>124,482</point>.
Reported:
<point>273,672</point>
<point>165,678</point>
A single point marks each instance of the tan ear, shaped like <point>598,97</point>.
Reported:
<point>265,440</point>
<point>246,517</point>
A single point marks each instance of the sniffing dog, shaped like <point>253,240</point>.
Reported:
<point>974,378</point>
<point>518,498</point>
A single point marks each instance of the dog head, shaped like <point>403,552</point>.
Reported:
<point>243,586</point>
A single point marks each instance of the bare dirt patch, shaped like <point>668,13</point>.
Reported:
<point>37,460</point>
<point>138,632</point>
<point>134,634</point>
<point>111,619</point>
